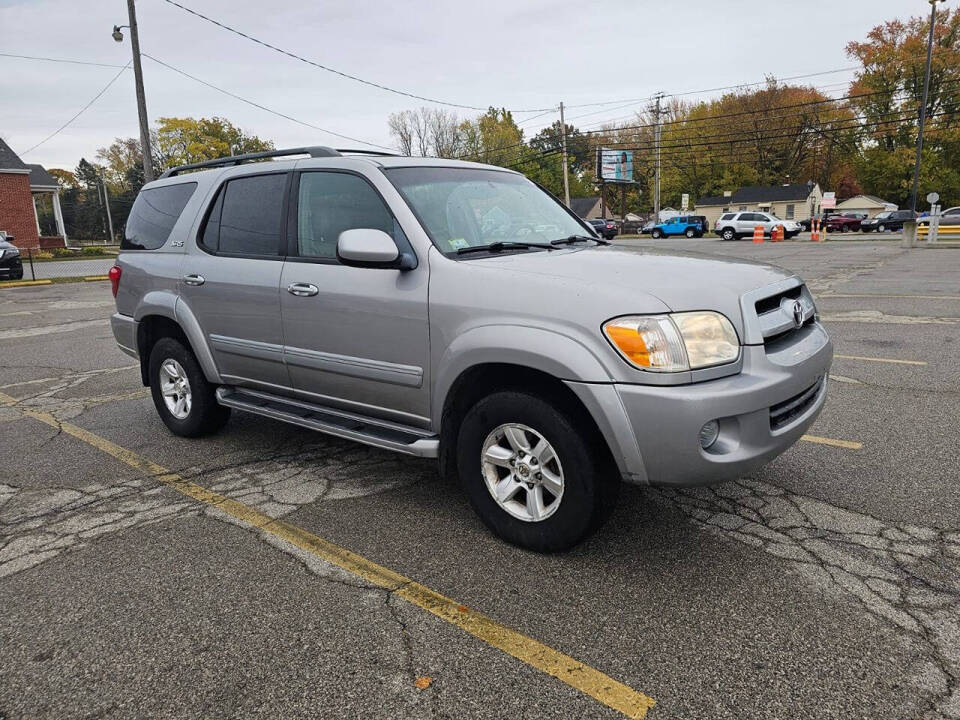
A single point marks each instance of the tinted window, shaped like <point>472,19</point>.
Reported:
<point>247,216</point>
<point>330,203</point>
<point>728,216</point>
<point>154,214</point>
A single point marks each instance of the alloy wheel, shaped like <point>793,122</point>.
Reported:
<point>522,472</point>
<point>175,388</point>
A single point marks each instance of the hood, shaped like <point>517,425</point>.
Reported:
<point>681,281</point>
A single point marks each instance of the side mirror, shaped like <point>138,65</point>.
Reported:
<point>367,247</point>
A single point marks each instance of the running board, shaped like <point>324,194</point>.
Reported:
<point>379,433</point>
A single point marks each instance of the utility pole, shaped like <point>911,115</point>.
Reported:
<point>141,97</point>
<point>923,108</point>
<point>106,201</point>
<point>566,181</point>
<point>656,181</point>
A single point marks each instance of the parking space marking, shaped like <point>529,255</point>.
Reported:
<point>883,295</point>
<point>51,329</point>
<point>879,359</point>
<point>568,670</point>
<point>846,444</point>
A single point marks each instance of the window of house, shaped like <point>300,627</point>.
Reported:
<point>247,217</point>
<point>742,208</point>
<point>153,215</point>
<point>789,212</point>
<point>331,202</point>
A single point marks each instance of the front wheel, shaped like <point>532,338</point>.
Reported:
<point>656,234</point>
<point>532,472</point>
<point>728,234</point>
<point>184,399</point>
<point>881,228</point>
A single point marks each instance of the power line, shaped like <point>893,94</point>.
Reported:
<point>348,76</point>
<point>262,107</point>
<point>80,112</point>
<point>60,60</point>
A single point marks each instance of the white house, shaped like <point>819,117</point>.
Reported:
<point>869,204</point>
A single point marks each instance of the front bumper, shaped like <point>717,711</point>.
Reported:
<point>11,267</point>
<point>664,421</point>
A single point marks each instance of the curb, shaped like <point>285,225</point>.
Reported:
<point>96,278</point>
<point>25,283</point>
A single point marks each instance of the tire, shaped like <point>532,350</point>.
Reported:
<point>17,274</point>
<point>881,228</point>
<point>844,228</point>
<point>728,234</point>
<point>588,489</point>
<point>202,415</point>
<point>656,234</point>
<point>690,233</point>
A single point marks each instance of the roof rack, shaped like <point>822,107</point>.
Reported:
<point>315,152</point>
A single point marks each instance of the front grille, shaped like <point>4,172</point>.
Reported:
<point>775,315</point>
<point>782,414</point>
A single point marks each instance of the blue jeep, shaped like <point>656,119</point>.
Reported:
<point>691,226</point>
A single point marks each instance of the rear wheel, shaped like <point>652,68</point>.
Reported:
<point>532,474</point>
<point>690,233</point>
<point>184,399</point>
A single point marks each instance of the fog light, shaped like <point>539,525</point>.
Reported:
<point>709,434</point>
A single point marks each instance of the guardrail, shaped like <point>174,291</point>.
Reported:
<point>944,232</point>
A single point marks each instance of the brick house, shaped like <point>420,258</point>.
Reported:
<point>20,186</point>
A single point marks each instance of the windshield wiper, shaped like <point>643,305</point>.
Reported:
<point>500,246</point>
<point>579,238</point>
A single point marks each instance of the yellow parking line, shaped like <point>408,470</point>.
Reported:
<point>846,444</point>
<point>574,673</point>
<point>882,295</point>
<point>24,283</point>
<point>880,359</point>
<point>94,278</point>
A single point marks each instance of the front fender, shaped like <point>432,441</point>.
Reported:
<point>558,355</point>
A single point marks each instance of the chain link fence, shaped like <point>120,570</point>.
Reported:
<point>57,265</point>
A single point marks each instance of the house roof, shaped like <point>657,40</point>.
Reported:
<point>582,206</point>
<point>40,178</point>
<point>871,198</point>
<point>9,160</point>
<point>708,200</point>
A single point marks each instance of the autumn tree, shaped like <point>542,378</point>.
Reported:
<point>427,132</point>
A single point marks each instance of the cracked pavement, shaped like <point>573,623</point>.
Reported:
<point>826,585</point>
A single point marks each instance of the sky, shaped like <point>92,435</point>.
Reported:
<point>526,55</point>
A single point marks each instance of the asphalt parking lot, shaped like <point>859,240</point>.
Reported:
<point>271,571</point>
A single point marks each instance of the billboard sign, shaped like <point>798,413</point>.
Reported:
<point>829,201</point>
<point>685,202</point>
<point>615,165</point>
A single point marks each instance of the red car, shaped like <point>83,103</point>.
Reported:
<point>842,223</point>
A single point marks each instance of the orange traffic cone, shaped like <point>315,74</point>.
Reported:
<point>823,232</point>
<point>777,234</point>
<point>758,234</point>
<point>814,230</point>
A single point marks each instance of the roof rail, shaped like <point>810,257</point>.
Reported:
<point>354,151</point>
<point>316,151</point>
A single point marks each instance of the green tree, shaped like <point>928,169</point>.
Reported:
<point>181,141</point>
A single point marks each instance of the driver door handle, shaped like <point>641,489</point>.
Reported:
<point>302,289</point>
<point>194,279</point>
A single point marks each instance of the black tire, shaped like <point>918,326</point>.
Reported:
<point>728,234</point>
<point>881,228</point>
<point>205,415</point>
<point>590,484</point>
<point>844,228</point>
<point>17,274</point>
<point>656,234</point>
<point>690,233</point>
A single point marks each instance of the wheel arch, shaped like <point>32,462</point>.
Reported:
<point>158,320</point>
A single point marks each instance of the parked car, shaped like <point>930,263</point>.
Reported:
<point>11,266</point>
<point>888,220</point>
<point>688,225</point>
<point>604,228</point>
<point>950,216</point>
<point>457,311</point>
<point>734,225</point>
<point>842,223</point>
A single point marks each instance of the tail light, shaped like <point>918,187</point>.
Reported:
<point>115,272</point>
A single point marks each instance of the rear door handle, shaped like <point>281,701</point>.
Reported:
<point>194,279</point>
<point>302,289</point>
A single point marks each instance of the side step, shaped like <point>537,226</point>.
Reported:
<point>379,433</point>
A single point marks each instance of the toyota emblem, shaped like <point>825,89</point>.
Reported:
<point>798,313</point>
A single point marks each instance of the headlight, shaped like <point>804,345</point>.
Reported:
<point>675,342</point>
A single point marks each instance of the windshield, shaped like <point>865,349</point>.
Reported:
<point>466,207</point>
<point>884,215</point>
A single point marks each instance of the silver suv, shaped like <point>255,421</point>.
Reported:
<point>453,310</point>
<point>734,225</point>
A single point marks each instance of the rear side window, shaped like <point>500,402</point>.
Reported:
<point>154,214</point>
<point>247,217</point>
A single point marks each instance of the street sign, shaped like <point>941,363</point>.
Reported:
<point>829,201</point>
<point>933,198</point>
<point>685,202</point>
